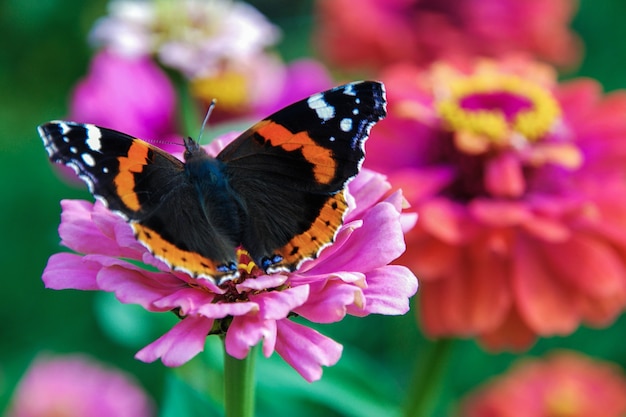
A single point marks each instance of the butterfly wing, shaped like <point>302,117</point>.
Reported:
<point>290,170</point>
<point>147,187</point>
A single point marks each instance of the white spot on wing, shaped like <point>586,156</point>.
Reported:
<point>345,124</point>
<point>324,110</point>
<point>64,129</point>
<point>349,90</point>
<point>88,159</point>
<point>93,138</point>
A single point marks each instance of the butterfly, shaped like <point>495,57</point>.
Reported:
<point>277,190</point>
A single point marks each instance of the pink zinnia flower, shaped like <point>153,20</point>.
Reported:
<point>380,32</point>
<point>519,184</point>
<point>129,94</point>
<point>350,277</point>
<point>566,384</point>
<point>77,386</point>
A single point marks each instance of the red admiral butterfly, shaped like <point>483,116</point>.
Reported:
<point>277,190</point>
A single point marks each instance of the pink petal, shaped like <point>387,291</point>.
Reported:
<point>473,298</point>
<point>602,311</point>
<point>446,220</point>
<point>548,229</point>
<point>79,233</point>
<point>367,189</point>
<point>115,227</point>
<point>305,349</point>
<point>329,303</point>
<point>275,305</point>
<point>546,305</point>
<point>589,264</point>
<point>504,176</point>
<point>262,282</point>
<point>221,310</point>
<point>71,271</point>
<point>429,258</point>
<point>247,331</point>
<point>184,341</point>
<point>379,241</point>
<point>499,212</point>
<point>189,300</point>
<point>132,284</point>
<point>513,334</point>
<point>388,291</point>
<point>423,182</point>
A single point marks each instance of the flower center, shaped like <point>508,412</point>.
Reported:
<point>564,400</point>
<point>229,88</point>
<point>498,109</point>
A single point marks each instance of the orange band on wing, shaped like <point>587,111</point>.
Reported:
<point>178,259</point>
<point>125,180</point>
<point>324,165</point>
<point>322,232</point>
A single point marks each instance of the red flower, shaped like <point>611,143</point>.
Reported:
<point>566,384</point>
<point>380,32</point>
<point>519,184</point>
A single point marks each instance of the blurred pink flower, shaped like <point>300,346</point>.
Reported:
<point>350,277</point>
<point>132,95</point>
<point>564,384</point>
<point>260,87</point>
<point>381,32</point>
<point>519,184</point>
<point>77,386</point>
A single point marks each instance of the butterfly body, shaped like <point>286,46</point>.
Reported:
<point>277,190</point>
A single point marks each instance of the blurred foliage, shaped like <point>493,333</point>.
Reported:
<point>44,52</point>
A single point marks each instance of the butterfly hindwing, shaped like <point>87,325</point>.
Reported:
<point>291,169</point>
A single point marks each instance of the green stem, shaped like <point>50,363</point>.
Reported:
<point>427,378</point>
<point>239,385</point>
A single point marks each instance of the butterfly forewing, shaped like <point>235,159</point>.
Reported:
<point>149,188</point>
<point>292,167</point>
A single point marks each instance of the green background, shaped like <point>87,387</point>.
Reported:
<point>43,53</point>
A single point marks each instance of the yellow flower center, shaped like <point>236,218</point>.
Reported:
<point>499,109</point>
<point>228,88</point>
<point>564,400</point>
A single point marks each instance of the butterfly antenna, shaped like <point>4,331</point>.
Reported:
<point>206,119</point>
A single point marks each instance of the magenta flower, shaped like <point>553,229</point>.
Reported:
<point>519,184</point>
<point>130,94</point>
<point>77,386</point>
<point>350,277</point>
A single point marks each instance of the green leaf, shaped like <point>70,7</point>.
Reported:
<point>130,325</point>
<point>356,387</point>
<point>182,400</point>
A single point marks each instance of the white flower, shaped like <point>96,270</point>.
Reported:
<point>196,37</point>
